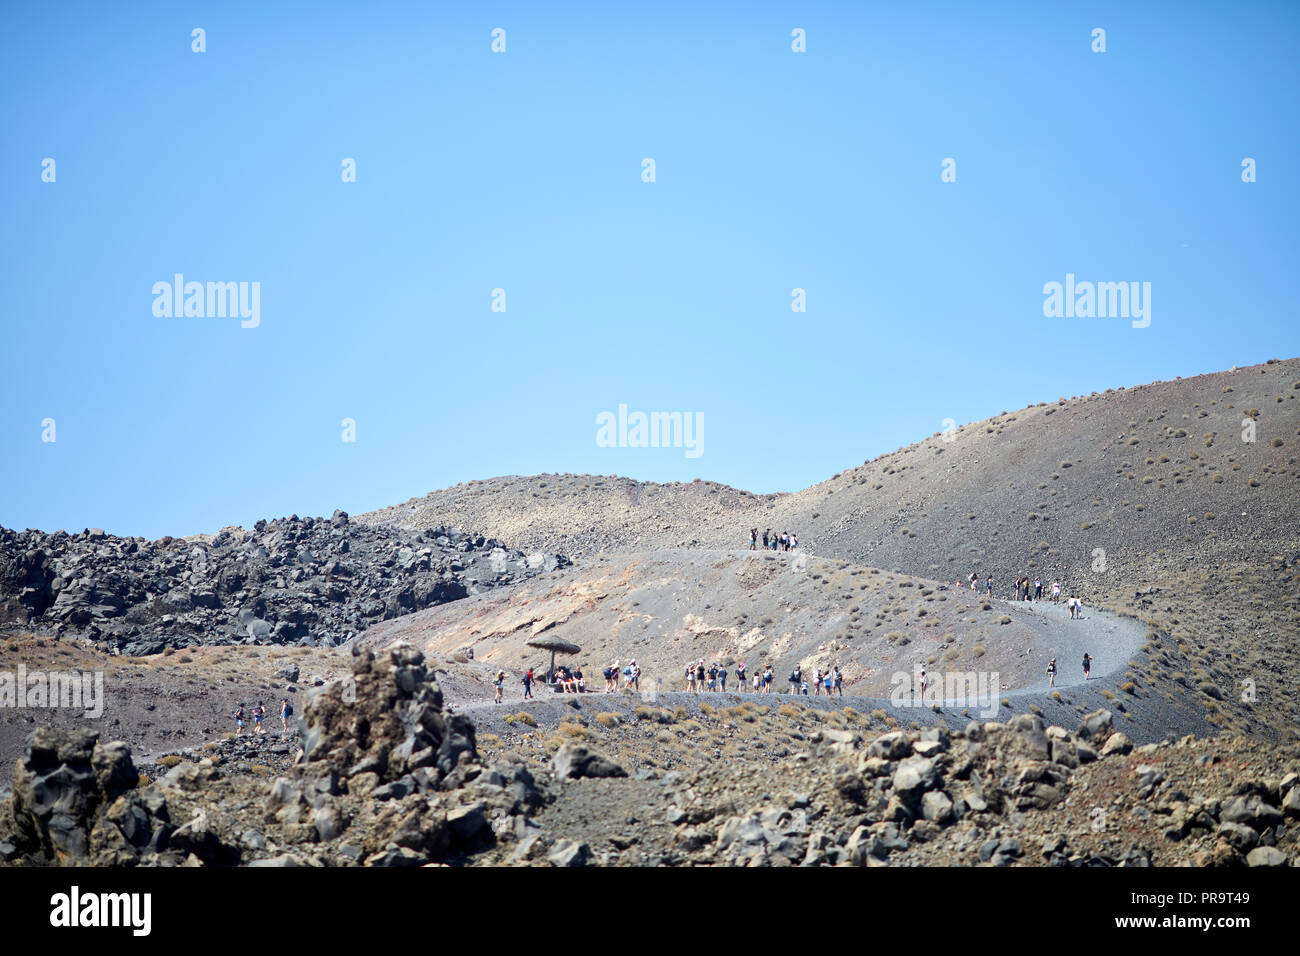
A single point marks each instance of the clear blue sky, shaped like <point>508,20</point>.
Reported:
<point>522,171</point>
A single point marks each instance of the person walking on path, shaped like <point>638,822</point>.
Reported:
<point>1056,592</point>
<point>1051,672</point>
<point>740,676</point>
<point>258,713</point>
<point>286,712</point>
<point>1038,588</point>
<point>239,720</point>
<point>753,538</point>
<point>988,587</point>
<point>500,683</point>
<point>765,534</point>
<point>690,677</point>
<point>767,680</point>
<point>528,684</point>
<point>924,682</point>
<point>1087,665</point>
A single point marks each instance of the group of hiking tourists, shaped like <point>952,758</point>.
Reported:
<point>259,715</point>
<point>570,680</point>
<point>1025,589</point>
<point>785,541</point>
<point>1051,669</point>
<point>713,680</point>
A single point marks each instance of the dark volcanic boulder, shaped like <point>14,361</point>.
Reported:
<point>75,802</point>
<point>574,761</point>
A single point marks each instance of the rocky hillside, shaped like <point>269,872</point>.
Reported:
<point>844,788</point>
<point>589,514</point>
<point>384,777</point>
<point>293,580</point>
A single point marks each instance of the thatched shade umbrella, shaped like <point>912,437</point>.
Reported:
<point>555,646</point>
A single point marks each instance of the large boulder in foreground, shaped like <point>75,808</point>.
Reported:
<point>386,719</point>
<point>76,802</point>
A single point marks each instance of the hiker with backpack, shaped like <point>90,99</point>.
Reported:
<point>258,713</point>
<point>239,720</point>
<point>286,711</point>
<point>1087,665</point>
<point>753,538</point>
<point>528,684</point>
<point>1051,672</point>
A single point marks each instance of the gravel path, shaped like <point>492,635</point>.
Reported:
<point>1110,639</point>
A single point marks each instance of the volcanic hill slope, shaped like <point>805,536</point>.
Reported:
<point>665,609</point>
<point>397,757</point>
<point>1147,500</point>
